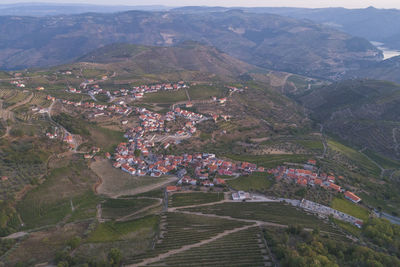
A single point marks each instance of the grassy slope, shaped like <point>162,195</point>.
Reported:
<point>51,201</point>
<point>269,161</point>
<point>115,208</point>
<point>350,208</point>
<point>253,182</point>
<point>185,199</point>
<point>361,160</point>
<point>115,231</point>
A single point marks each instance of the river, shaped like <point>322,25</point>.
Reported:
<point>387,52</point>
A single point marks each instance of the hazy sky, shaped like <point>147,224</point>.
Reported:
<point>294,3</point>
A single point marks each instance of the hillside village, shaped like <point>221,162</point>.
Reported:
<point>147,131</point>
<point>148,149</point>
<point>309,176</point>
<point>136,157</point>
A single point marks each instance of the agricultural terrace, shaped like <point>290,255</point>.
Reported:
<point>195,198</point>
<point>350,208</point>
<point>256,181</point>
<point>178,230</point>
<point>274,212</point>
<point>359,159</point>
<point>240,249</point>
<point>118,231</point>
<point>117,208</point>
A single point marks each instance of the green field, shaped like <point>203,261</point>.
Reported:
<point>311,144</point>
<point>255,182</point>
<point>116,231</point>
<point>270,161</point>
<point>105,138</point>
<point>241,249</point>
<point>200,92</point>
<point>186,199</point>
<point>116,208</point>
<point>165,97</point>
<point>65,194</point>
<point>348,227</point>
<point>386,163</point>
<point>350,208</point>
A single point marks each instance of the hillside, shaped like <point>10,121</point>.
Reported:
<point>265,40</point>
<point>364,112</point>
<point>370,23</point>
<point>388,70</point>
<point>50,9</point>
<point>133,155</point>
<point>186,57</point>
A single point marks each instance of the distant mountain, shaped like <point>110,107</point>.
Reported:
<point>186,57</point>
<point>363,112</point>
<point>370,23</point>
<point>51,9</point>
<point>269,41</point>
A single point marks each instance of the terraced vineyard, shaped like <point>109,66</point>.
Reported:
<point>40,100</point>
<point>116,208</point>
<point>228,126</point>
<point>269,212</point>
<point>243,248</point>
<point>6,93</point>
<point>21,163</point>
<point>17,97</point>
<point>186,199</point>
<point>178,230</point>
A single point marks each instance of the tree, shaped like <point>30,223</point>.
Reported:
<point>63,264</point>
<point>114,257</point>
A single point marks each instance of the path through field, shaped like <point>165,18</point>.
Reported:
<point>187,247</point>
<point>126,217</point>
<point>251,223</point>
<point>7,114</point>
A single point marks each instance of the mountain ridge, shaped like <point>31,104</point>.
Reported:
<point>269,41</point>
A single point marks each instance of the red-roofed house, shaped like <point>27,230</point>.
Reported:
<point>172,188</point>
<point>335,187</point>
<point>352,197</point>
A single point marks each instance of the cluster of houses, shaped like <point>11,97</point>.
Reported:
<point>221,101</point>
<point>52,135</point>
<point>19,84</point>
<point>155,122</point>
<point>69,139</point>
<point>39,109</point>
<point>92,153</point>
<point>309,176</point>
<point>240,196</point>
<point>136,92</point>
<point>205,165</point>
<point>74,90</point>
<point>97,109</point>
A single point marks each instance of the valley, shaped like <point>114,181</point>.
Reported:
<point>170,152</point>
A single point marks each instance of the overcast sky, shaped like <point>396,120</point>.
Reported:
<point>292,3</point>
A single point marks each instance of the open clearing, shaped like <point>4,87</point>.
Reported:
<point>186,199</point>
<point>350,208</point>
<point>254,182</point>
